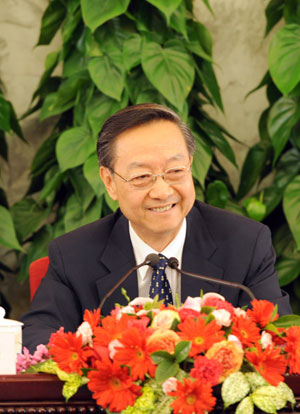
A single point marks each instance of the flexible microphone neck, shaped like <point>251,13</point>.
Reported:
<point>173,264</point>
<point>151,260</point>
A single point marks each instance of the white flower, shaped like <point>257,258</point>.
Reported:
<point>86,332</point>
<point>140,301</point>
<point>112,347</point>
<point>235,339</point>
<point>239,312</point>
<point>192,303</point>
<point>169,385</point>
<point>126,309</point>
<point>266,339</point>
<point>222,316</point>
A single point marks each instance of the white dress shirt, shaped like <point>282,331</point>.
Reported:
<point>141,250</point>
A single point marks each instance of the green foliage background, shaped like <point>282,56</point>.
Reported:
<point>122,52</point>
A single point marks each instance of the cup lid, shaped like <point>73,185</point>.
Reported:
<point>7,322</point>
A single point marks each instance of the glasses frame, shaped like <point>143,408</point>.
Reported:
<point>154,176</point>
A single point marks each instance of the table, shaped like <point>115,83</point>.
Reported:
<point>42,394</point>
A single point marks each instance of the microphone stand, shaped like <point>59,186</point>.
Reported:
<point>173,263</point>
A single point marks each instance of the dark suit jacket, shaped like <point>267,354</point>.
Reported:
<point>86,263</point>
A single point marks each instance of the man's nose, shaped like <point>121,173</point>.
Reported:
<point>160,188</point>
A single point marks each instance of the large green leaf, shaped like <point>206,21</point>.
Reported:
<point>291,11</point>
<point>132,51</point>
<point>200,41</point>
<point>288,167</point>
<point>291,207</point>
<point>73,147</point>
<point>91,173</point>
<point>75,217</point>
<point>51,20</point>
<point>28,216</point>
<point>282,117</point>
<point>97,12</point>
<point>288,269</point>
<point>178,20</point>
<point>284,57</point>
<point>71,22</point>
<point>8,236</point>
<point>254,164</point>
<point>170,70</point>
<point>273,11</point>
<point>4,114</point>
<point>167,7</point>
<point>107,75</point>
<point>209,79</point>
<point>202,160</point>
<point>217,194</point>
<point>83,190</point>
<point>53,180</point>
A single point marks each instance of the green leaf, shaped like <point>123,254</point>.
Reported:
<point>166,369</point>
<point>75,217</point>
<point>288,167</point>
<point>83,190</point>
<point>182,350</point>
<point>218,139</point>
<point>268,399</point>
<point>71,22</point>
<point>202,159</point>
<point>288,269</point>
<point>254,163</point>
<point>28,216</point>
<point>167,7</point>
<point>286,392</point>
<point>234,388</point>
<point>210,81</point>
<point>286,321</point>
<point>255,380</point>
<point>160,356</point>
<point>112,204</point>
<point>170,70</point>
<point>284,58</point>
<point>97,12</point>
<point>282,117</point>
<point>200,41</point>
<point>246,406</point>
<point>4,114</point>
<point>217,194</point>
<point>44,157</point>
<point>51,21</point>
<point>52,182</point>
<point>291,11</point>
<point>291,207</point>
<point>255,208</point>
<point>273,12</point>
<point>8,236</point>
<point>73,147</point>
<point>91,173</point>
<point>132,49</point>
<point>178,20</point>
<point>107,75</point>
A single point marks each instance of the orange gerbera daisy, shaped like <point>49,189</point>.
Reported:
<point>261,312</point>
<point>66,350</point>
<point>293,348</point>
<point>92,317</point>
<point>135,353</point>
<point>192,397</point>
<point>246,330</point>
<point>112,386</point>
<point>111,329</point>
<point>201,334</point>
<point>270,363</point>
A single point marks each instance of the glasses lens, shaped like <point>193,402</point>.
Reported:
<point>142,180</point>
<point>176,175</point>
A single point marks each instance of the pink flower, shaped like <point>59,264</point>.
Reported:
<point>207,297</point>
<point>223,317</point>
<point>86,333</point>
<point>24,361</point>
<point>169,385</point>
<point>208,370</point>
<point>192,303</point>
<point>41,354</point>
<point>140,301</point>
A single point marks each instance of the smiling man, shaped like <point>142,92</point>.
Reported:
<point>145,155</point>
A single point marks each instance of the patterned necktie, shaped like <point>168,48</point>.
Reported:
<point>159,283</point>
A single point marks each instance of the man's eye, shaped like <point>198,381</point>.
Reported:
<point>140,178</point>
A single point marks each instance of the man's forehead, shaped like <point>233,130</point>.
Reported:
<point>141,164</point>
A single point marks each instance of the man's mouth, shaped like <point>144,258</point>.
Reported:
<point>162,209</point>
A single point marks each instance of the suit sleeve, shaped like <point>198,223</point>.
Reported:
<point>54,305</point>
<point>262,276</point>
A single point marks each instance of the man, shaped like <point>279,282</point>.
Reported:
<point>145,156</point>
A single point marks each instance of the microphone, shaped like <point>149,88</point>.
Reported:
<point>173,264</point>
<point>151,260</point>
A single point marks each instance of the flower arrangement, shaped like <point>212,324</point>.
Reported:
<point>149,358</point>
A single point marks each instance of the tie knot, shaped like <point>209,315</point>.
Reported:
<point>162,264</point>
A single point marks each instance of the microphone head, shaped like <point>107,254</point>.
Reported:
<point>152,259</point>
<point>173,263</point>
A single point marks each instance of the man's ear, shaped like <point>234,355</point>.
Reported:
<point>108,180</point>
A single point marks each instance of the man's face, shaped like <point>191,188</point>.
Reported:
<point>156,213</point>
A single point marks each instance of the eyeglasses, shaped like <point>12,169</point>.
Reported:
<point>172,176</point>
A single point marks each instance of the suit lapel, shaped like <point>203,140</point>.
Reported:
<point>118,258</point>
<point>198,257</point>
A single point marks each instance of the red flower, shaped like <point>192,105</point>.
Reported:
<point>201,334</point>
<point>207,370</point>
<point>246,330</point>
<point>293,348</point>
<point>92,317</point>
<point>112,386</point>
<point>261,312</point>
<point>270,363</point>
<point>111,329</point>
<point>66,350</point>
<point>219,304</point>
<point>192,397</point>
<point>136,353</point>
<point>185,313</point>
